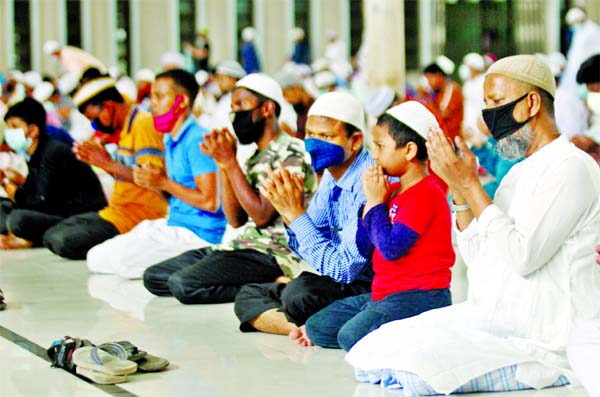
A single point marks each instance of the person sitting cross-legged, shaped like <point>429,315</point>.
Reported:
<point>260,253</point>
<point>406,229</point>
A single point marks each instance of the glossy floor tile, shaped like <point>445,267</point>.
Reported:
<point>50,297</point>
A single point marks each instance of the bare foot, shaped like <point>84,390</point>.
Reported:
<point>2,302</point>
<point>10,241</point>
<point>299,335</point>
<point>282,280</point>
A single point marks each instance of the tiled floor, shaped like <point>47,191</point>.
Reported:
<point>49,297</point>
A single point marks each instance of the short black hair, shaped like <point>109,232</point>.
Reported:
<point>403,134</point>
<point>547,100</point>
<point>182,79</point>
<point>262,99</point>
<point>109,94</point>
<point>589,71</point>
<point>351,129</point>
<point>433,68</point>
<point>30,111</point>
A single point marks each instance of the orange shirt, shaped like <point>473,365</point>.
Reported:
<point>449,106</point>
<point>130,204</point>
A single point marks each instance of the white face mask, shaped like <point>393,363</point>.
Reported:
<point>593,102</point>
<point>16,139</point>
<point>464,72</point>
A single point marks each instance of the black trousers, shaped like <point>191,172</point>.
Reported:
<point>6,207</point>
<point>210,276</point>
<point>298,300</point>
<point>75,236</point>
<point>27,224</point>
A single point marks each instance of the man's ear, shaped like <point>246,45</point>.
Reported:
<point>534,100</point>
<point>33,131</point>
<point>268,109</point>
<point>357,140</point>
<point>185,102</point>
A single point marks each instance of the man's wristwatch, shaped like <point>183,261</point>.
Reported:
<point>459,207</point>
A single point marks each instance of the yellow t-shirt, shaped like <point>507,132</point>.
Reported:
<point>130,204</point>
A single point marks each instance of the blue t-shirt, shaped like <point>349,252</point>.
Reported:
<point>184,162</point>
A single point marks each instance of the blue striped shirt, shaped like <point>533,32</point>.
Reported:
<point>325,236</point>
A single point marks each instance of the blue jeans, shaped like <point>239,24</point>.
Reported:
<point>346,321</point>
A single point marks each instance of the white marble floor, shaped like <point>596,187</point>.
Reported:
<point>49,297</point>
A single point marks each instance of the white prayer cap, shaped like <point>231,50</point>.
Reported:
<point>16,75</point>
<point>324,79</point>
<point>379,100</point>
<point>114,71</point>
<point>309,86</point>
<point>575,15</point>
<point>201,77</point>
<point>248,33</point>
<point>416,116</point>
<point>341,69</point>
<point>319,65</point>
<point>32,78</point>
<point>43,91</point>
<point>91,89</point>
<point>475,61</point>
<point>51,46</point>
<point>263,85</point>
<point>557,62</point>
<point>331,35</point>
<point>289,78</point>
<point>445,64</point>
<point>67,83</point>
<point>126,87</point>
<point>298,34</point>
<point>341,106</point>
<point>303,70</point>
<point>144,75</point>
<point>172,59</point>
<point>231,68</point>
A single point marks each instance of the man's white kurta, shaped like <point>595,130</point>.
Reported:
<point>532,273</point>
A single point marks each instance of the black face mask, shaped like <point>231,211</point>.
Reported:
<point>97,125</point>
<point>500,120</point>
<point>247,130</point>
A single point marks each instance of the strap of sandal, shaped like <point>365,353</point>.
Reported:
<point>61,352</point>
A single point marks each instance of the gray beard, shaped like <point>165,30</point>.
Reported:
<point>515,146</point>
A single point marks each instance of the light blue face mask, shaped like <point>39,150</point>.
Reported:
<point>582,92</point>
<point>16,139</point>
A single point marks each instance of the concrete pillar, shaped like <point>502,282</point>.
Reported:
<point>52,26</point>
<point>384,21</point>
<point>7,37</point>
<point>221,23</point>
<point>158,27</point>
<point>329,15</point>
<point>273,24</point>
<point>99,21</point>
<point>552,22</point>
<point>593,9</point>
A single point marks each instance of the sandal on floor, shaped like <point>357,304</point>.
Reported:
<point>2,301</point>
<point>99,360</point>
<point>61,352</point>
<point>152,364</point>
<point>100,378</point>
<point>125,350</point>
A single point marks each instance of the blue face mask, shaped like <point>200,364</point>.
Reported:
<point>324,154</point>
<point>16,139</point>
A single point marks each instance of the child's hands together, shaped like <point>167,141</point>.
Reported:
<point>375,186</point>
